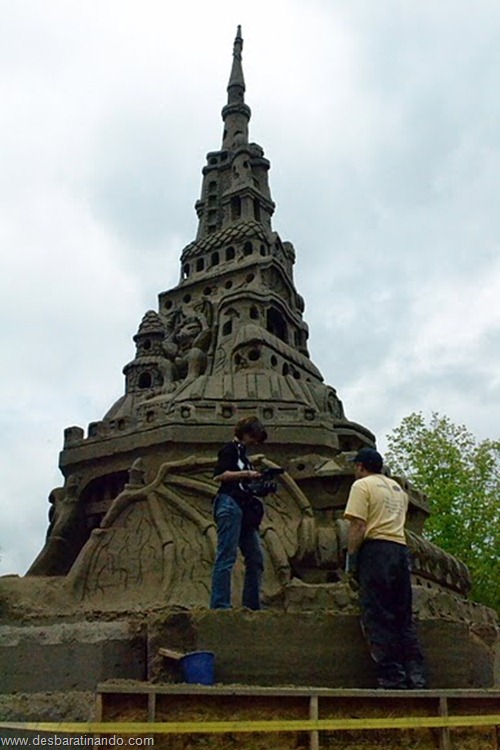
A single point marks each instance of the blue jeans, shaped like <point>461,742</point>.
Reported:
<point>231,534</point>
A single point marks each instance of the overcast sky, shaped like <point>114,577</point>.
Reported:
<point>382,124</point>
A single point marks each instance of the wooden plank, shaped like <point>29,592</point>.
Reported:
<point>151,706</point>
<point>98,715</point>
<point>259,690</point>
<point>444,732</point>
<point>314,716</point>
<point>169,653</point>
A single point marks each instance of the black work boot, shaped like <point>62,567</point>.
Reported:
<point>415,675</point>
<point>392,677</point>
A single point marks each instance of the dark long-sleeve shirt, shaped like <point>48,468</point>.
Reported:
<point>233,457</point>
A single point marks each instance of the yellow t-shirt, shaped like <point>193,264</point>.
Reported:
<point>382,504</point>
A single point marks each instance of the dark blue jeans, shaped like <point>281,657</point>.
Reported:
<point>386,606</point>
<point>231,534</point>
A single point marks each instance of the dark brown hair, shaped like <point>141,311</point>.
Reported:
<point>250,426</point>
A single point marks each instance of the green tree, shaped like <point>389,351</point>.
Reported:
<point>461,477</point>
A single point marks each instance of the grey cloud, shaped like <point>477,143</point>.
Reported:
<point>142,190</point>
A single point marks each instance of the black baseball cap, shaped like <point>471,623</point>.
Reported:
<point>369,458</point>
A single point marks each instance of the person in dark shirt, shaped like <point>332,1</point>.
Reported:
<point>237,523</point>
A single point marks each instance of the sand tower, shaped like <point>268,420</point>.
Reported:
<point>131,531</point>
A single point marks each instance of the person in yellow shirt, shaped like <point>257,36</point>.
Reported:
<point>377,556</point>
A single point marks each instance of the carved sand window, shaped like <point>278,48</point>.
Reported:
<point>230,253</point>
<point>145,380</point>
<point>236,208</point>
<point>97,496</point>
<point>247,248</point>
<point>276,324</point>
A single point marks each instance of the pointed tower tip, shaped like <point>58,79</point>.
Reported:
<point>236,78</point>
<point>236,113</point>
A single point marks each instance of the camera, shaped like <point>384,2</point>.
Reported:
<point>264,485</point>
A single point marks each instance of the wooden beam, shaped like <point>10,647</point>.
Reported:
<point>314,716</point>
<point>169,653</point>
<point>444,732</point>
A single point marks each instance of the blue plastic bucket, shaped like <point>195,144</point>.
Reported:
<point>198,667</point>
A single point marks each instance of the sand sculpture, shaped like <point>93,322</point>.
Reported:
<point>131,528</point>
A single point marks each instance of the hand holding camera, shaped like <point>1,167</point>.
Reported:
<point>264,483</point>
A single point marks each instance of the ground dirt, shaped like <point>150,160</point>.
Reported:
<point>60,706</point>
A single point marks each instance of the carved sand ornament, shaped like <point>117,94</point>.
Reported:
<point>159,540</point>
<point>65,534</point>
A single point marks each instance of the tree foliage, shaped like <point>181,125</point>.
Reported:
<point>461,477</point>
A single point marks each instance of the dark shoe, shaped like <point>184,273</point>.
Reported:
<point>415,675</point>
<point>420,684</point>
<point>391,676</point>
